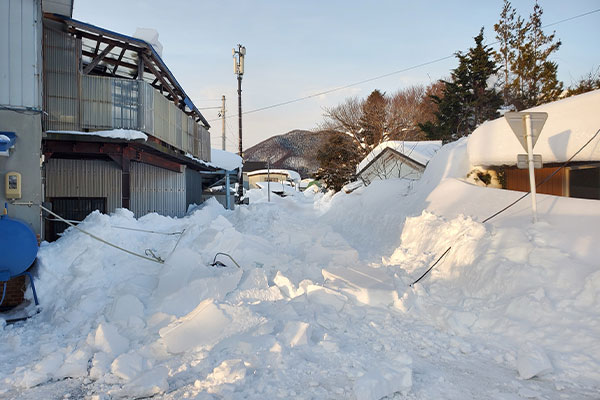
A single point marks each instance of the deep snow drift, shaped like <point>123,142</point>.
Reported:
<point>321,306</point>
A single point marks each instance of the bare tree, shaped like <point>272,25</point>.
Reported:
<point>405,109</point>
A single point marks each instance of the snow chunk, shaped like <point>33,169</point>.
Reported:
<point>127,366</point>
<point>42,371</point>
<point>371,286</point>
<point>295,333</point>
<point>108,340</point>
<point>75,365</point>
<point>202,327</point>
<point>124,307</point>
<point>228,372</point>
<point>148,384</point>
<point>383,381</point>
<point>532,361</point>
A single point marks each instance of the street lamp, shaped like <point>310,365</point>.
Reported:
<point>238,69</point>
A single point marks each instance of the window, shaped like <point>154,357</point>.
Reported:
<point>125,104</point>
<point>584,182</point>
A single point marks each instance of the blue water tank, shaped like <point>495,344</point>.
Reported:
<point>18,246</point>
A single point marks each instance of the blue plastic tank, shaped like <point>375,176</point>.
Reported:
<point>18,246</point>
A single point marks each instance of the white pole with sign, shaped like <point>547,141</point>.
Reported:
<point>527,127</point>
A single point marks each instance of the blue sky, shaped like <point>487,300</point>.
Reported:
<point>297,48</point>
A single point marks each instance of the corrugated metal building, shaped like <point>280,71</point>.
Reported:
<point>98,80</point>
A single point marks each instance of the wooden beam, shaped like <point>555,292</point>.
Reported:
<point>112,61</point>
<point>106,40</point>
<point>98,58</point>
<point>118,61</point>
<point>140,70</point>
<point>97,46</point>
<point>162,80</point>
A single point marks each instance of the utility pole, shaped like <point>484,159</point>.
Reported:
<point>223,120</point>
<point>238,69</point>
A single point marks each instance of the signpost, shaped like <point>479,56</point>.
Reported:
<point>527,127</point>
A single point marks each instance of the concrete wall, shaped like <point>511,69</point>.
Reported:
<point>24,158</point>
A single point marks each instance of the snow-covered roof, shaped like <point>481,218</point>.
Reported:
<point>571,123</point>
<point>225,159</point>
<point>220,159</point>
<point>127,134</point>
<point>419,151</point>
<point>293,175</point>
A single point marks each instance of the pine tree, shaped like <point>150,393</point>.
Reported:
<point>505,32</point>
<point>485,100</point>
<point>338,158</point>
<point>467,100</point>
<point>535,78</point>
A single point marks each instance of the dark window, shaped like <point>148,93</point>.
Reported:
<point>584,183</point>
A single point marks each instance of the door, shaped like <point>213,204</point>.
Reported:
<point>74,209</point>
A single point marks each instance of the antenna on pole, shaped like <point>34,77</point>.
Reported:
<point>238,69</point>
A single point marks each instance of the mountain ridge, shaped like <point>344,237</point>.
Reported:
<point>296,150</point>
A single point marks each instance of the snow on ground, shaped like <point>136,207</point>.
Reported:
<point>321,306</point>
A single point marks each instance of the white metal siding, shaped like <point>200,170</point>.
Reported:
<point>20,53</point>
<point>84,178</point>
<point>157,190</point>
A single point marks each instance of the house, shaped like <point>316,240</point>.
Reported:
<point>571,123</point>
<point>397,159</point>
<point>283,176</point>
<point>99,121</point>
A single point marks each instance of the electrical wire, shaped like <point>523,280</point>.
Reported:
<point>283,103</point>
<point>159,261</point>
<point>514,202</point>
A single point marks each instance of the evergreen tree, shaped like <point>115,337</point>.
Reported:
<point>586,84</point>
<point>485,99</point>
<point>467,100</point>
<point>373,119</point>
<point>532,78</point>
<point>505,34</point>
<point>338,158</point>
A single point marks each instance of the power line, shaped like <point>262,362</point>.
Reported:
<point>388,74</point>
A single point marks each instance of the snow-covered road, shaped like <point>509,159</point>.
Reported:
<point>321,308</point>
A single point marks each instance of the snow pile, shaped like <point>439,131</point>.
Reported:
<point>127,134</point>
<point>571,123</point>
<point>321,306</point>
<point>150,36</point>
